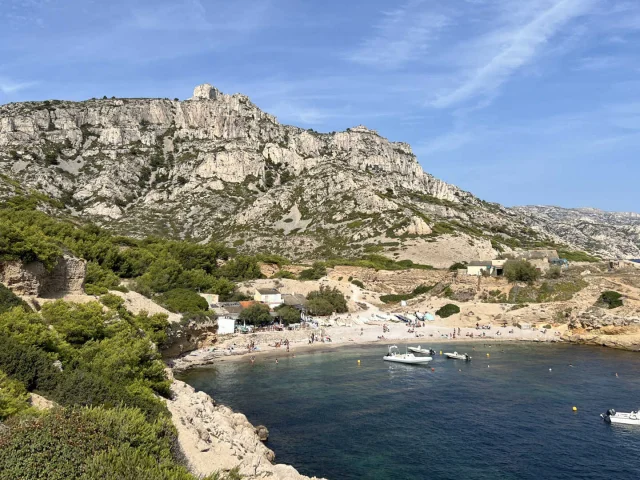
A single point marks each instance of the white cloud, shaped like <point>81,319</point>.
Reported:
<point>402,36</point>
<point>507,50</point>
<point>8,86</point>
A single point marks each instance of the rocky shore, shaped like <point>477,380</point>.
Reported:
<point>215,438</point>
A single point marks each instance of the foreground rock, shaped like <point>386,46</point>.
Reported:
<point>214,438</point>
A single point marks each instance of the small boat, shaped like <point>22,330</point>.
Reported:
<point>458,356</point>
<point>410,358</point>
<point>424,351</point>
<point>611,416</point>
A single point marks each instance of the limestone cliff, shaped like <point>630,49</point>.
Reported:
<point>34,280</point>
<point>216,166</point>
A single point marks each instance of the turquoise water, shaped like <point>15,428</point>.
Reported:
<point>512,420</point>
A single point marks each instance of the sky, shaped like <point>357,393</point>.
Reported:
<point>517,101</point>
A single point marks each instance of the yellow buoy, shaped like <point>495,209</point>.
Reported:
<point>575,409</point>
<point>358,362</point>
<point>488,355</point>
<point>440,352</point>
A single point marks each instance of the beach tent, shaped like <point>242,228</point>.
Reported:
<point>429,317</point>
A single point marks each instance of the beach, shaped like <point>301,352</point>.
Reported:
<point>235,347</point>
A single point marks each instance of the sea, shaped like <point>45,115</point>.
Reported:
<point>507,414</point>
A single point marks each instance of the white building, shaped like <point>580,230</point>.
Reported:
<point>226,325</point>
<point>270,296</point>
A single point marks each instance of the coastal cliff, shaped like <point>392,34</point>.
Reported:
<point>214,438</point>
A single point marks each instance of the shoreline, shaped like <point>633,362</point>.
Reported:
<point>234,348</point>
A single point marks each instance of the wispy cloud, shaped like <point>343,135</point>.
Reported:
<point>8,86</point>
<point>402,36</point>
<point>601,63</point>
<point>516,47</point>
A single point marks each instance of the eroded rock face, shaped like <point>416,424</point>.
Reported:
<point>217,167</point>
<point>33,279</point>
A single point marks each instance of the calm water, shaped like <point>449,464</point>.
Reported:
<point>513,420</point>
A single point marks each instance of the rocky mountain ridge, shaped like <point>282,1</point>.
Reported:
<point>608,234</point>
<point>217,167</point>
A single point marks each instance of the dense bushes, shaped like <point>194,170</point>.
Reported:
<point>326,301</point>
<point>256,314</point>
<point>577,256</point>
<point>520,271</point>
<point>316,272</point>
<point>9,300</point>
<point>610,299</point>
<point>80,443</point>
<point>288,314</point>
<point>357,283</point>
<point>448,310</point>
<point>182,300</point>
<point>13,396</point>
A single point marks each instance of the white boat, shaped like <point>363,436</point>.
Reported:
<point>410,358</point>
<point>611,416</point>
<point>424,351</point>
<point>458,356</point>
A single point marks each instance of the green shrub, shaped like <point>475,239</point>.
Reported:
<point>520,271</point>
<point>574,256</point>
<point>448,310</point>
<point>8,300</point>
<point>288,314</point>
<point>13,397</point>
<point>100,276</point>
<point>457,266</point>
<point>554,272</point>
<point>27,364</point>
<point>77,323</point>
<point>256,314</point>
<point>284,274</point>
<point>112,301</point>
<point>610,299</point>
<point>358,283</point>
<point>316,272</point>
<point>326,301</point>
<point>182,300</point>
<point>90,289</point>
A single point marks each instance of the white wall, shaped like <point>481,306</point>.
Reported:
<point>226,325</point>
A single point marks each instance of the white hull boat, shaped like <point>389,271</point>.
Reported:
<point>408,358</point>
<point>458,356</point>
<point>611,416</point>
<point>423,351</point>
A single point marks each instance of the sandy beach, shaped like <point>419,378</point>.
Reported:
<point>235,347</point>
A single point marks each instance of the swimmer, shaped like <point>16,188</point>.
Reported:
<point>276,361</point>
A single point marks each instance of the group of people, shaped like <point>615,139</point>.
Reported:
<point>284,342</point>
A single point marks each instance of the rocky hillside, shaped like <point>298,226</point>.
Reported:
<point>216,166</point>
<point>609,234</point>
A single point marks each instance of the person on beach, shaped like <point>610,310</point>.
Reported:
<point>276,361</point>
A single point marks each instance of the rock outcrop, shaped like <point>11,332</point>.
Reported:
<point>214,438</point>
<point>217,167</point>
<point>33,279</point>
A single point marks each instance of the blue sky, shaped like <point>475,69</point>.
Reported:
<point>518,101</point>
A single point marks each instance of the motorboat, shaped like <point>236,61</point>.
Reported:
<point>424,351</point>
<point>419,316</point>
<point>611,416</point>
<point>458,356</point>
<point>410,358</point>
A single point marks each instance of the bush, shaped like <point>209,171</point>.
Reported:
<point>396,298</point>
<point>27,364</point>
<point>256,314</point>
<point>577,256</point>
<point>316,272</point>
<point>77,323</point>
<point>100,276</point>
<point>520,271</point>
<point>326,301</point>
<point>288,314</point>
<point>8,300</point>
<point>458,266</point>
<point>611,299</point>
<point>358,283</point>
<point>554,272</point>
<point>448,310</point>
<point>112,301</point>
<point>182,300</point>
<point>284,274</point>
<point>13,397</point>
